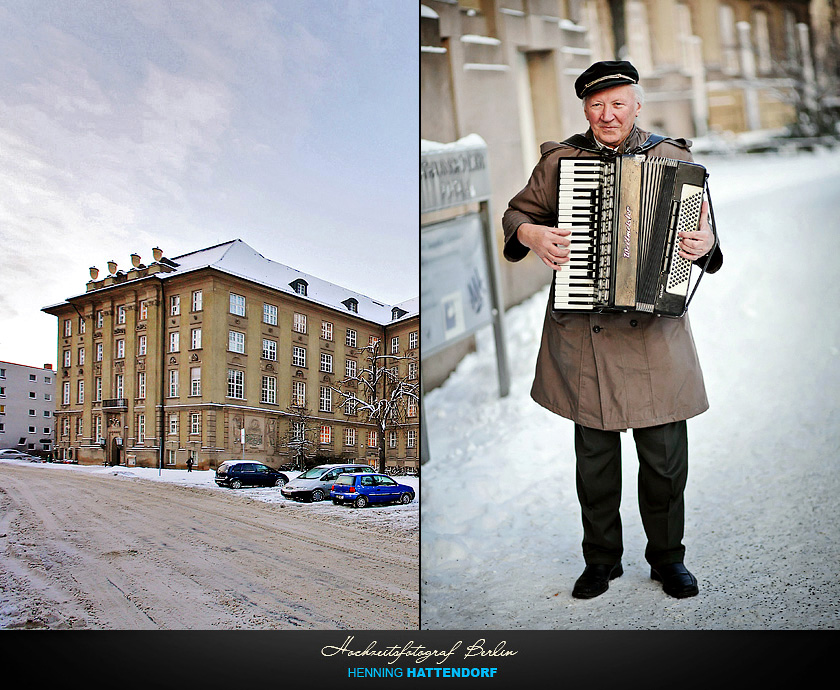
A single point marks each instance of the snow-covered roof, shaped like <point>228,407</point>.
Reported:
<point>238,259</point>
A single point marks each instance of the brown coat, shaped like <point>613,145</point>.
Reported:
<point>608,371</point>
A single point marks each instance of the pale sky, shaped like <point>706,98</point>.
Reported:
<point>291,125</point>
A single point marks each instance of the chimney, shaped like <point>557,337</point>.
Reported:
<point>48,366</point>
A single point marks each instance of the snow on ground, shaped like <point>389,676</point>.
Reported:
<point>397,516</point>
<point>500,524</point>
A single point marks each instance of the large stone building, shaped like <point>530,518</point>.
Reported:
<point>505,70</point>
<point>186,357</point>
<point>27,401</point>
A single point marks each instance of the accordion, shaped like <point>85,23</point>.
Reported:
<point>625,214</point>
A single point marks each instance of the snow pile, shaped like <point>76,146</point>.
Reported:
<point>500,522</point>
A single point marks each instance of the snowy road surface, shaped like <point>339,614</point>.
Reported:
<point>101,548</point>
<point>500,521</point>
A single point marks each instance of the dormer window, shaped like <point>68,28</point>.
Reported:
<point>352,304</point>
<point>299,286</point>
<point>397,313</point>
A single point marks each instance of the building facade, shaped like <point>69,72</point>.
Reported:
<point>27,402</point>
<point>222,354</point>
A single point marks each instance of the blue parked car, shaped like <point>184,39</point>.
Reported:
<point>361,488</point>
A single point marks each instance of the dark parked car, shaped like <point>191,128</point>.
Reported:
<point>239,473</point>
<point>314,484</point>
<point>363,488</point>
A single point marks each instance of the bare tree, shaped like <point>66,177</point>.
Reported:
<point>302,436</point>
<point>379,392</point>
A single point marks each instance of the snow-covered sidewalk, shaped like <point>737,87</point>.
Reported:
<point>500,521</point>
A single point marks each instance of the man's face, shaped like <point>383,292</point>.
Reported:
<point>611,113</point>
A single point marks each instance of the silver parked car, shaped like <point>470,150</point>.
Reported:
<point>315,484</point>
<point>12,454</point>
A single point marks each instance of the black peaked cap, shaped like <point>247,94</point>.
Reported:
<point>603,75</point>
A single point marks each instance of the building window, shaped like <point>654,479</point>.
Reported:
<point>68,328</point>
<point>173,424</point>
<point>120,348</point>
<point>173,383</point>
<point>97,389</point>
<point>411,408</point>
<point>141,345</point>
<point>269,349</point>
<point>373,341</point>
<point>350,368</point>
<point>412,370</point>
<point>175,305</point>
<point>195,423</point>
<point>349,437</point>
<point>350,406</point>
<point>80,393</point>
<point>411,438</point>
<point>412,340</point>
<point>80,427</point>
<point>392,439</point>
<point>395,345</point>
<point>326,362</point>
<point>195,339</point>
<point>65,394</point>
<point>325,400</point>
<point>121,314</point>
<point>326,330</point>
<point>195,381</point>
<point>81,356</point>
<point>269,390</point>
<point>144,310</point>
<point>299,286</point>
<point>65,426</point>
<point>98,355</point>
<point>197,299</point>
<point>237,304</point>
<point>118,386</point>
<point>97,428</point>
<point>236,341</point>
<point>81,325</point>
<point>372,439</point>
<point>175,341</point>
<point>67,360</point>
<point>270,314</point>
<point>141,428</point>
<point>299,324</point>
<point>298,430</point>
<point>236,383</point>
<point>299,394</point>
<point>170,457</point>
<point>326,434</point>
<point>141,384</point>
<point>100,319</point>
<point>298,356</point>
<point>352,304</point>
<point>350,338</point>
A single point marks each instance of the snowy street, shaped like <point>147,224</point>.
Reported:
<point>500,523</point>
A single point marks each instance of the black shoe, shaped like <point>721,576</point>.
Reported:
<point>596,580</point>
<point>676,580</point>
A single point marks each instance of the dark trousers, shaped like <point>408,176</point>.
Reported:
<point>663,470</point>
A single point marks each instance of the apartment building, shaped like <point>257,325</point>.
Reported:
<point>223,354</point>
<point>27,401</point>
